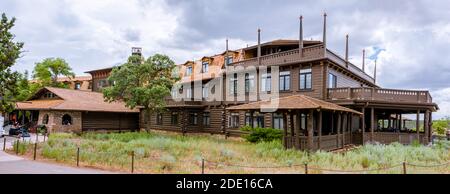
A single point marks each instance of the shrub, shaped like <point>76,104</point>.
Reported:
<point>259,134</point>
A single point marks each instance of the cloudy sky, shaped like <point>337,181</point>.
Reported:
<point>410,39</point>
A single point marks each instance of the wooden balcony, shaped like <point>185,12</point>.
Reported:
<point>379,94</point>
<point>310,53</point>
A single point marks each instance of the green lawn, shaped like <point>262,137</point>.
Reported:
<point>163,152</point>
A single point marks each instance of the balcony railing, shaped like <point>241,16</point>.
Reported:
<point>391,95</point>
<point>309,53</point>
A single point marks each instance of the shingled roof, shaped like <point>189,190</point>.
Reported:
<point>72,100</point>
<point>295,102</point>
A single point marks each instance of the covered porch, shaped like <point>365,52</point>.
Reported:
<point>309,123</point>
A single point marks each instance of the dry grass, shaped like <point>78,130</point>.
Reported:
<point>165,152</point>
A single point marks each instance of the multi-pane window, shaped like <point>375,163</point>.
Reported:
<point>206,119</point>
<point>277,121</point>
<point>228,60</point>
<point>305,79</point>
<point>266,82</point>
<point>193,118</point>
<point>77,86</point>
<point>332,81</point>
<point>233,84</point>
<point>102,83</point>
<point>188,70</point>
<point>205,67</point>
<point>258,119</point>
<point>249,82</point>
<point>233,120</point>
<point>188,93</point>
<point>159,119</point>
<point>285,80</point>
<point>205,91</point>
<point>174,118</point>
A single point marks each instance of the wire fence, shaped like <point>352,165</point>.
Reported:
<point>136,162</point>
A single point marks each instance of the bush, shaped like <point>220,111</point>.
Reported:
<point>259,134</point>
<point>440,126</point>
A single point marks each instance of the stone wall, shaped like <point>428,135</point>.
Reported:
<point>55,121</point>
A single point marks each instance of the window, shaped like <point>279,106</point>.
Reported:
<point>193,118</point>
<point>332,81</point>
<point>305,79</point>
<point>249,82</point>
<point>277,121</point>
<point>205,67</point>
<point>233,120</point>
<point>174,118</point>
<point>258,119</point>
<point>266,82</point>
<point>66,120</point>
<point>188,70</point>
<point>285,80</point>
<point>49,95</point>
<point>233,84</point>
<point>159,119</point>
<point>228,60</point>
<point>188,93</point>
<point>77,86</point>
<point>45,119</point>
<point>102,83</point>
<point>205,91</point>
<point>206,119</point>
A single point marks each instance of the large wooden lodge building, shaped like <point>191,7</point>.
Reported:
<point>319,99</point>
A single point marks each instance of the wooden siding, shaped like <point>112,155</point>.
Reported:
<point>344,80</point>
<point>109,121</point>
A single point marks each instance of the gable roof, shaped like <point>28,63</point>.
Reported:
<point>73,100</point>
<point>295,102</point>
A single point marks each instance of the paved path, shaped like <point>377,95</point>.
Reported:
<point>10,164</point>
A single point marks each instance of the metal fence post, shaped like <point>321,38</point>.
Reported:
<point>404,167</point>
<point>35,148</point>
<point>132,162</point>
<point>203,166</point>
<point>78,156</point>
<point>306,168</point>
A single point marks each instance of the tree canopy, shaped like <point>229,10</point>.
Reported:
<point>10,51</point>
<point>142,83</point>
<point>48,71</point>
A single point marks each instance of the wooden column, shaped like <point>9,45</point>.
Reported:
<point>372,123</point>
<point>344,127</point>
<point>319,128</point>
<point>299,125</point>
<point>363,124</point>
<point>338,129</point>
<point>426,126</point>
<point>252,112</point>
<point>400,122</point>
<point>291,125</point>
<point>310,129</point>
<point>418,124</point>
<point>350,126</point>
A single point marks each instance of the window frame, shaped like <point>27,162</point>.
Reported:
<point>306,72</point>
<point>206,119</point>
<point>174,118</point>
<point>205,64</point>
<point>266,82</point>
<point>279,117</point>
<point>188,71</point>
<point>286,77</point>
<point>249,83</point>
<point>159,118</point>
<point>193,118</point>
<point>332,79</point>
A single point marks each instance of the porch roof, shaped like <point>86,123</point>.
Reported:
<point>295,102</point>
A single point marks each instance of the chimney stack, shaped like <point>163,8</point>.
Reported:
<point>324,38</point>
<point>346,50</point>
<point>259,46</point>
<point>226,53</point>
<point>364,58</point>
<point>300,40</point>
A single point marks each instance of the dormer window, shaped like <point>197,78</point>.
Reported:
<point>228,60</point>
<point>188,70</point>
<point>205,67</point>
<point>49,95</point>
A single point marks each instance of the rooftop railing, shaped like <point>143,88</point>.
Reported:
<point>380,94</point>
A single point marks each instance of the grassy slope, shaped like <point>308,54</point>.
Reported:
<point>161,152</point>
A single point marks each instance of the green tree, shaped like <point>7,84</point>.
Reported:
<point>48,71</point>
<point>143,84</point>
<point>441,125</point>
<point>9,52</point>
<point>24,88</point>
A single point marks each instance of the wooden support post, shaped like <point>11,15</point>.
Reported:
<point>344,127</point>
<point>285,129</point>
<point>417,124</point>
<point>338,129</point>
<point>310,129</point>
<point>350,127</point>
<point>372,123</point>
<point>297,132</point>
<point>363,124</point>
<point>400,122</point>
<point>291,125</point>
<point>426,126</point>
<point>319,128</point>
